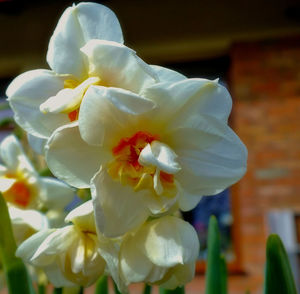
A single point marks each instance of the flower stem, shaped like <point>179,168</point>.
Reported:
<point>16,274</point>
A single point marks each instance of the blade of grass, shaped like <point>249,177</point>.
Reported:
<point>214,276</point>
<point>17,278</point>
<point>102,285</point>
<point>278,276</point>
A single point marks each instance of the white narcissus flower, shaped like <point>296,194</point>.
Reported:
<point>143,154</point>
<point>21,185</point>
<point>69,256</point>
<point>162,251</point>
<point>86,49</point>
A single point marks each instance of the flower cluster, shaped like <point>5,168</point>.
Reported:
<point>144,139</point>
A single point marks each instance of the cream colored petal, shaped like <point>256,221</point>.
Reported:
<point>179,276</point>
<point>167,75</point>
<point>25,95</point>
<point>67,99</point>
<point>118,208</point>
<point>56,276</point>
<point>71,159</point>
<point>106,112</point>
<point>56,194</point>
<point>171,241</point>
<point>118,66</point>
<point>36,143</point>
<point>79,24</point>
<point>83,217</point>
<point>6,184</point>
<point>161,156</point>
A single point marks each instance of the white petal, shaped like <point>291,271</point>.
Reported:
<point>56,276</point>
<point>160,155</point>
<point>83,217</point>
<point>167,75</point>
<point>13,156</point>
<point>27,92</point>
<point>67,99</point>
<point>27,249</point>
<point>105,112</point>
<point>118,208</point>
<point>70,158</point>
<point>171,241</point>
<point>118,66</point>
<point>78,25</point>
<point>187,99</point>
<point>134,265</point>
<point>212,157</point>
<point>36,143</point>
<point>57,194</point>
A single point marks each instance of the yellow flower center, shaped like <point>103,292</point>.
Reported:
<point>126,167</point>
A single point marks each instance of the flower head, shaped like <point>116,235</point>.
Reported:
<point>21,185</point>
<point>144,154</point>
<point>68,255</point>
<point>85,49</point>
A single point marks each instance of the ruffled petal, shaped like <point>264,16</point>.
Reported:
<point>161,156</point>
<point>188,99</point>
<point>118,66</point>
<point>171,241</point>
<point>105,113</point>
<point>71,159</point>
<point>118,209</point>
<point>211,156</point>
<point>167,75</point>
<point>83,217</point>
<point>56,194</point>
<point>25,95</point>
<point>77,26</point>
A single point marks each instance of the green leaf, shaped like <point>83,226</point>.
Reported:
<point>278,276</point>
<point>102,285</point>
<point>178,290</point>
<point>147,289</point>
<point>17,278</point>
<point>216,274</point>
<point>223,275</point>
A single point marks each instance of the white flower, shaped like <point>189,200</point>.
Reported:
<point>68,255</point>
<point>21,185</point>
<point>162,251</point>
<point>143,154</point>
<point>86,49</point>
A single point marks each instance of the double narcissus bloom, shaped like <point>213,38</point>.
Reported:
<point>145,154</point>
<point>146,140</point>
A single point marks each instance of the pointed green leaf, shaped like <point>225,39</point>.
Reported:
<point>102,285</point>
<point>178,290</point>
<point>17,278</point>
<point>278,276</point>
<point>214,276</point>
<point>147,289</point>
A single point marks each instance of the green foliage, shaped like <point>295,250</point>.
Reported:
<point>102,285</point>
<point>216,273</point>
<point>147,289</point>
<point>178,290</point>
<point>278,275</point>
<point>16,274</point>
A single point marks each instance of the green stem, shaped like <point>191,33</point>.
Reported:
<point>16,274</point>
<point>147,289</point>
<point>102,285</point>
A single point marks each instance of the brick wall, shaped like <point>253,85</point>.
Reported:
<point>265,84</point>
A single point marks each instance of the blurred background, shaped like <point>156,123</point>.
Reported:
<point>254,48</point>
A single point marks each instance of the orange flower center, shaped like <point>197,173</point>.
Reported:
<point>126,167</point>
